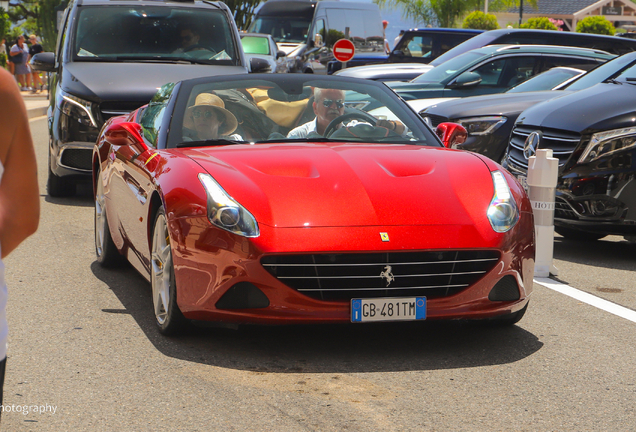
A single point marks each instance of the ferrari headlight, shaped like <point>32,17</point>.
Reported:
<point>225,212</point>
<point>502,211</point>
<point>608,142</point>
<point>482,125</point>
<point>76,108</point>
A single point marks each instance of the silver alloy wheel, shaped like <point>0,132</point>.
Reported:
<point>100,216</point>
<point>161,269</point>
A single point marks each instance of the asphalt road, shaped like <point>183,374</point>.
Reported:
<point>82,341</point>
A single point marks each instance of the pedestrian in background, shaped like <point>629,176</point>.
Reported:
<point>3,51</point>
<point>34,49</point>
<point>10,64</point>
<point>387,48</point>
<point>20,54</point>
<point>19,194</point>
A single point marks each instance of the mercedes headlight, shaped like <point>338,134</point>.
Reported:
<point>502,211</point>
<point>482,125</point>
<point>608,142</point>
<point>76,108</point>
<point>225,212</point>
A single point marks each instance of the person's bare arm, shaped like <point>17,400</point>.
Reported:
<point>19,192</point>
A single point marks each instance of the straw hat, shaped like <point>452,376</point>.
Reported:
<point>213,101</point>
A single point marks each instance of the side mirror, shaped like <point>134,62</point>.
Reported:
<point>397,53</point>
<point>259,65</point>
<point>451,134</point>
<point>43,62</point>
<point>467,79</point>
<point>280,54</point>
<point>124,134</point>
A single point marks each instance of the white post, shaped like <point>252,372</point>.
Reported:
<point>486,7</point>
<point>542,179</point>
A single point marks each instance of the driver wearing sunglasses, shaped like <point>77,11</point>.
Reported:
<point>328,105</point>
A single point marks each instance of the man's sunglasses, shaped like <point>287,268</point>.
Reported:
<point>206,114</point>
<point>327,103</point>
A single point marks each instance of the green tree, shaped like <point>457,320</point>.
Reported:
<point>444,13</point>
<point>481,21</point>
<point>596,24</point>
<point>542,23</point>
<point>243,11</point>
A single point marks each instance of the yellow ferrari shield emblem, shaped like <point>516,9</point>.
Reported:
<point>384,236</point>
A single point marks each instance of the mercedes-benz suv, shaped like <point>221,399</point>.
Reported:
<point>593,134</point>
<point>113,55</point>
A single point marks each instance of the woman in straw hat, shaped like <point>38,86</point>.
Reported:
<point>208,119</point>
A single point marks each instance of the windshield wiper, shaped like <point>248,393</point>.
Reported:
<point>210,143</point>
<point>157,59</point>
<point>613,81</point>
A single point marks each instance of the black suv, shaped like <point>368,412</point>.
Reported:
<point>113,55</point>
<point>593,134</point>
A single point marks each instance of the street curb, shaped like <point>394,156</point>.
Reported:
<point>36,112</point>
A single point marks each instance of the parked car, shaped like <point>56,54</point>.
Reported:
<point>489,119</point>
<point>610,44</point>
<point>495,69</point>
<point>111,57</point>
<point>592,134</point>
<point>256,45</point>
<point>509,36</point>
<point>361,223</point>
<point>420,46</point>
<point>386,72</point>
<point>306,29</point>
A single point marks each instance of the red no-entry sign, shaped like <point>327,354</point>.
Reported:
<point>343,50</point>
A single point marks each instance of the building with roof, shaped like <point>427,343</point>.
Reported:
<point>619,12</point>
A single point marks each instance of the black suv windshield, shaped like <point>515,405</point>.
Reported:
<point>153,33</point>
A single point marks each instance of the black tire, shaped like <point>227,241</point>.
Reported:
<point>168,317</point>
<point>572,234</point>
<point>58,187</point>
<point>105,249</point>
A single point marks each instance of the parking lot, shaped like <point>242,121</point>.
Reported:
<point>82,340</point>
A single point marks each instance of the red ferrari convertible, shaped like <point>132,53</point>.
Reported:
<point>300,199</point>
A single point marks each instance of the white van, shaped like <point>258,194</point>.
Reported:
<point>306,30</point>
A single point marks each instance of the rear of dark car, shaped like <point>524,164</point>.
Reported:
<point>592,132</point>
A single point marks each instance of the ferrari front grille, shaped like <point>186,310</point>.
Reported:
<point>338,277</point>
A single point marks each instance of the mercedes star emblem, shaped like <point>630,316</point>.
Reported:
<point>532,144</point>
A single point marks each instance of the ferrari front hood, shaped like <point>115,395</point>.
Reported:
<point>327,185</point>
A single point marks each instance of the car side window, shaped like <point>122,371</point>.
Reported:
<point>152,117</point>
<point>151,122</point>
<point>490,72</point>
<point>508,72</point>
<point>550,62</point>
<point>417,46</point>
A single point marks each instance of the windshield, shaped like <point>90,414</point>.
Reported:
<point>611,69</point>
<point>440,73</point>
<point>547,80</point>
<point>153,33</point>
<point>283,29</point>
<point>295,108</point>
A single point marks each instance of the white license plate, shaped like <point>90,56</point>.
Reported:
<point>524,181</point>
<point>388,309</point>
